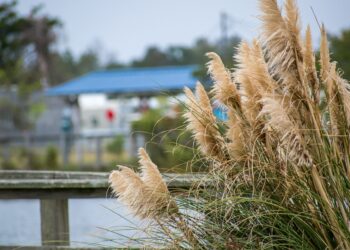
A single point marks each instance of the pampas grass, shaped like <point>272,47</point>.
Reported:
<point>146,195</point>
<point>224,89</point>
<point>202,122</point>
<point>279,167</point>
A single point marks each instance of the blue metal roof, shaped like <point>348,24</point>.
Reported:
<point>132,80</point>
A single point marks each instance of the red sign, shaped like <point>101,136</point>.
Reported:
<point>110,115</point>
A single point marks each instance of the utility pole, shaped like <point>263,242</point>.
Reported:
<point>224,28</point>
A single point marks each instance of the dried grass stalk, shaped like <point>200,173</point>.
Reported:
<point>325,61</point>
<point>310,67</point>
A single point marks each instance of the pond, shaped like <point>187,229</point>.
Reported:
<point>93,222</point>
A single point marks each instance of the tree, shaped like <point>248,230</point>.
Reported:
<point>12,42</point>
<point>153,57</point>
<point>340,51</point>
<point>188,55</point>
<point>17,35</point>
<point>65,66</point>
<point>19,64</point>
<point>40,33</point>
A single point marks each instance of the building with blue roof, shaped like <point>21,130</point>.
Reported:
<point>136,81</point>
<point>126,93</point>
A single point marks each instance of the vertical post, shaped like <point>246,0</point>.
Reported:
<point>54,222</point>
<point>79,138</point>
<point>128,145</point>
<point>6,151</point>
<point>66,146</point>
<point>224,28</point>
<point>64,149</point>
<point>133,147</point>
<point>79,149</point>
<point>98,152</point>
<point>66,127</point>
<point>27,141</point>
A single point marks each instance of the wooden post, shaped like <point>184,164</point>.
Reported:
<point>79,150</point>
<point>27,141</point>
<point>54,222</point>
<point>64,148</point>
<point>6,152</point>
<point>98,152</point>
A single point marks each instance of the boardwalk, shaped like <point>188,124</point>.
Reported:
<point>54,188</point>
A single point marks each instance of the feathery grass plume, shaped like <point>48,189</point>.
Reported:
<point>285,189</point>
<point>130,189</point>
<point>293,25</point>
<point>255,81</point>
<point>337,90</point>
<point>339,113</point>
<point>292,145</point>
<point>260,70</point>
<point>117,182</point>
<point>276,38</point>
<point>310,67</point>
<point>334,101</point>
<point>147,196</point>
<point>283,50</point>
<point>292,21</point>
<point>252,73</point>
<point>204,102</point>
<point>150,173</point>
<point>237,146</point>
<point>201,121</point>
<point>282,46</point>
<point>344,91</point>
<point>250,97</point>
<point>224,88</point>
<point>249,91</point>
<point>325,61</point>
<point>152,178</point>
<point>251,86</point>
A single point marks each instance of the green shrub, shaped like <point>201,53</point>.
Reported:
<point>51,158</point>
<point>168,143</point>
<point>31,159</point>
<point>8,164</point>
<point>117,145</point>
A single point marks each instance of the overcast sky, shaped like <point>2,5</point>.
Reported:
<point>124,28</point>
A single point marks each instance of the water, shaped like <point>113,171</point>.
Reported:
<point>90,222</point>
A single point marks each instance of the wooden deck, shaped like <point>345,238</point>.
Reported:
<point>54,188</point>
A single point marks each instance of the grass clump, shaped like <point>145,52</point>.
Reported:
<point>279,168</point>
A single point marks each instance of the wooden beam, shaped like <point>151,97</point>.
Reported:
<point>54,222</point>
<point>63,248</point>
<point>56,193</point>
<point>54,188</point>
<point>63,185</point>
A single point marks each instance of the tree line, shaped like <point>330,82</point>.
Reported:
<point>29,60</point>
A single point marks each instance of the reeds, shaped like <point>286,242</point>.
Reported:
<point>285,157</point>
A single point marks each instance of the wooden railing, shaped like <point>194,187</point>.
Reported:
<point>54,188</point>
<point>65,142</point>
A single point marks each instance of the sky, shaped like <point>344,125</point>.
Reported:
<point>122,29</point>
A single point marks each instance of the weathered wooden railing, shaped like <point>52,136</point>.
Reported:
<point>54,188</point>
